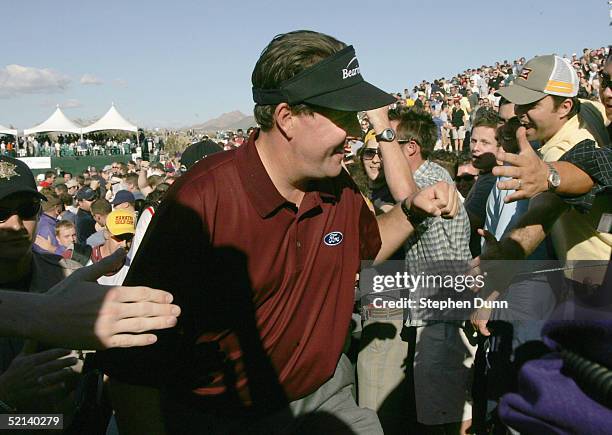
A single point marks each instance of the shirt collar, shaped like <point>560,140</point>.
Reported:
<point>571,133</point>
<point>257,183</point>
<point>46,217</point>
<point>421,169</point>
<point>259,187</point>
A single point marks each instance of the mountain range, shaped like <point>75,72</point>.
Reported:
<point>228,121</point>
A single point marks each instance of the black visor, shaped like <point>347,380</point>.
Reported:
<point>334,83</point>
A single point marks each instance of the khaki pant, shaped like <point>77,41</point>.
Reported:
<point>442,373</point>
<point>380,363</point>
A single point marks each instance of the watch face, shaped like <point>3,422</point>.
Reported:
<point>555,180</point>
<point>388,134</point>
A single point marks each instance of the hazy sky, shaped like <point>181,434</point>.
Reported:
<point>176,63</point>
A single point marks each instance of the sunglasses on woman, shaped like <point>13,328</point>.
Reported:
<point>26,212</point>
<point>369,153</point>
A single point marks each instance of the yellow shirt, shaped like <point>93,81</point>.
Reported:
<point>465,105</point>
<point>575,234</point>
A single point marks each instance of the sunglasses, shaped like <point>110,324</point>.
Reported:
<point>26,212</point>
<point>369,153</point>
<point>123,237</point>
<point>605,81</point>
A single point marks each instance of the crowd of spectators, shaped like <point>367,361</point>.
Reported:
<point>454,102</point>
<point>461,183</point>
<point>72,145</point>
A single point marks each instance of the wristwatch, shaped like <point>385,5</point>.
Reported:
<point>387,135</point>
<point>554,179</point>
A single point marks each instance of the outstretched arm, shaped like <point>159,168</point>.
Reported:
<point>79,313</point>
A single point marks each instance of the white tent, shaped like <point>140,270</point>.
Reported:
<point>112,120</point>
<point>56,122</point>
<point>4,130</point>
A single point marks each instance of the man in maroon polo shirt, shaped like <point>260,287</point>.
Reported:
<point>260,247</point>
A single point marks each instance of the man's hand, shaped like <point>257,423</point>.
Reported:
<point>491,251</point>
<point>45,243</point>
<point>479,320</point>
<point>492,248</point>
<point>499,273</point>
<point>528,171</point>
<point>397,170</point>
<point>440,199</point>
<point>79,313</point>
<point>33,376</point>
<point>379,118</point>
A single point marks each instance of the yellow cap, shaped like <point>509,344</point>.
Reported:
<point>121,222</point>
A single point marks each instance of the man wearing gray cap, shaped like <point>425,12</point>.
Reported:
<point>565,180</point>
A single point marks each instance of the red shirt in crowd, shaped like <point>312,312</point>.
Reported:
<point>266,289</point>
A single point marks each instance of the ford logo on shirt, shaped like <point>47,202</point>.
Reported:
<point>334,238</point>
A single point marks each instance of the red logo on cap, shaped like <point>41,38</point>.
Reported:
<point>525,73</point>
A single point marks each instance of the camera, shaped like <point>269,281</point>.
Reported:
<point>506,135</point>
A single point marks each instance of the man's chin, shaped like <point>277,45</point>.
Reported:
<point>531,134</point>
<point>333,168</point>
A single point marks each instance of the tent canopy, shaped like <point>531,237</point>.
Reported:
<point>112,120</point>
<point>56,122</point>
<point>4,130</point>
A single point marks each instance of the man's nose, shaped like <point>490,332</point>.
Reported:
<point>14,223</point>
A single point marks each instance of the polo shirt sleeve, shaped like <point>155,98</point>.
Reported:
<point>595,161</point>
<point>171,257</point>
<point>369,235</point>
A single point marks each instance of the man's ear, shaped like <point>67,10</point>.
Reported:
<point>411,148</point>
<point>284,119</point>
<point>565,108</point>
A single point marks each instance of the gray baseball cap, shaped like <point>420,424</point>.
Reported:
<point>542,76</point>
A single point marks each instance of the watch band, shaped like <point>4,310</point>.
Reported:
<point>410,215</point>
